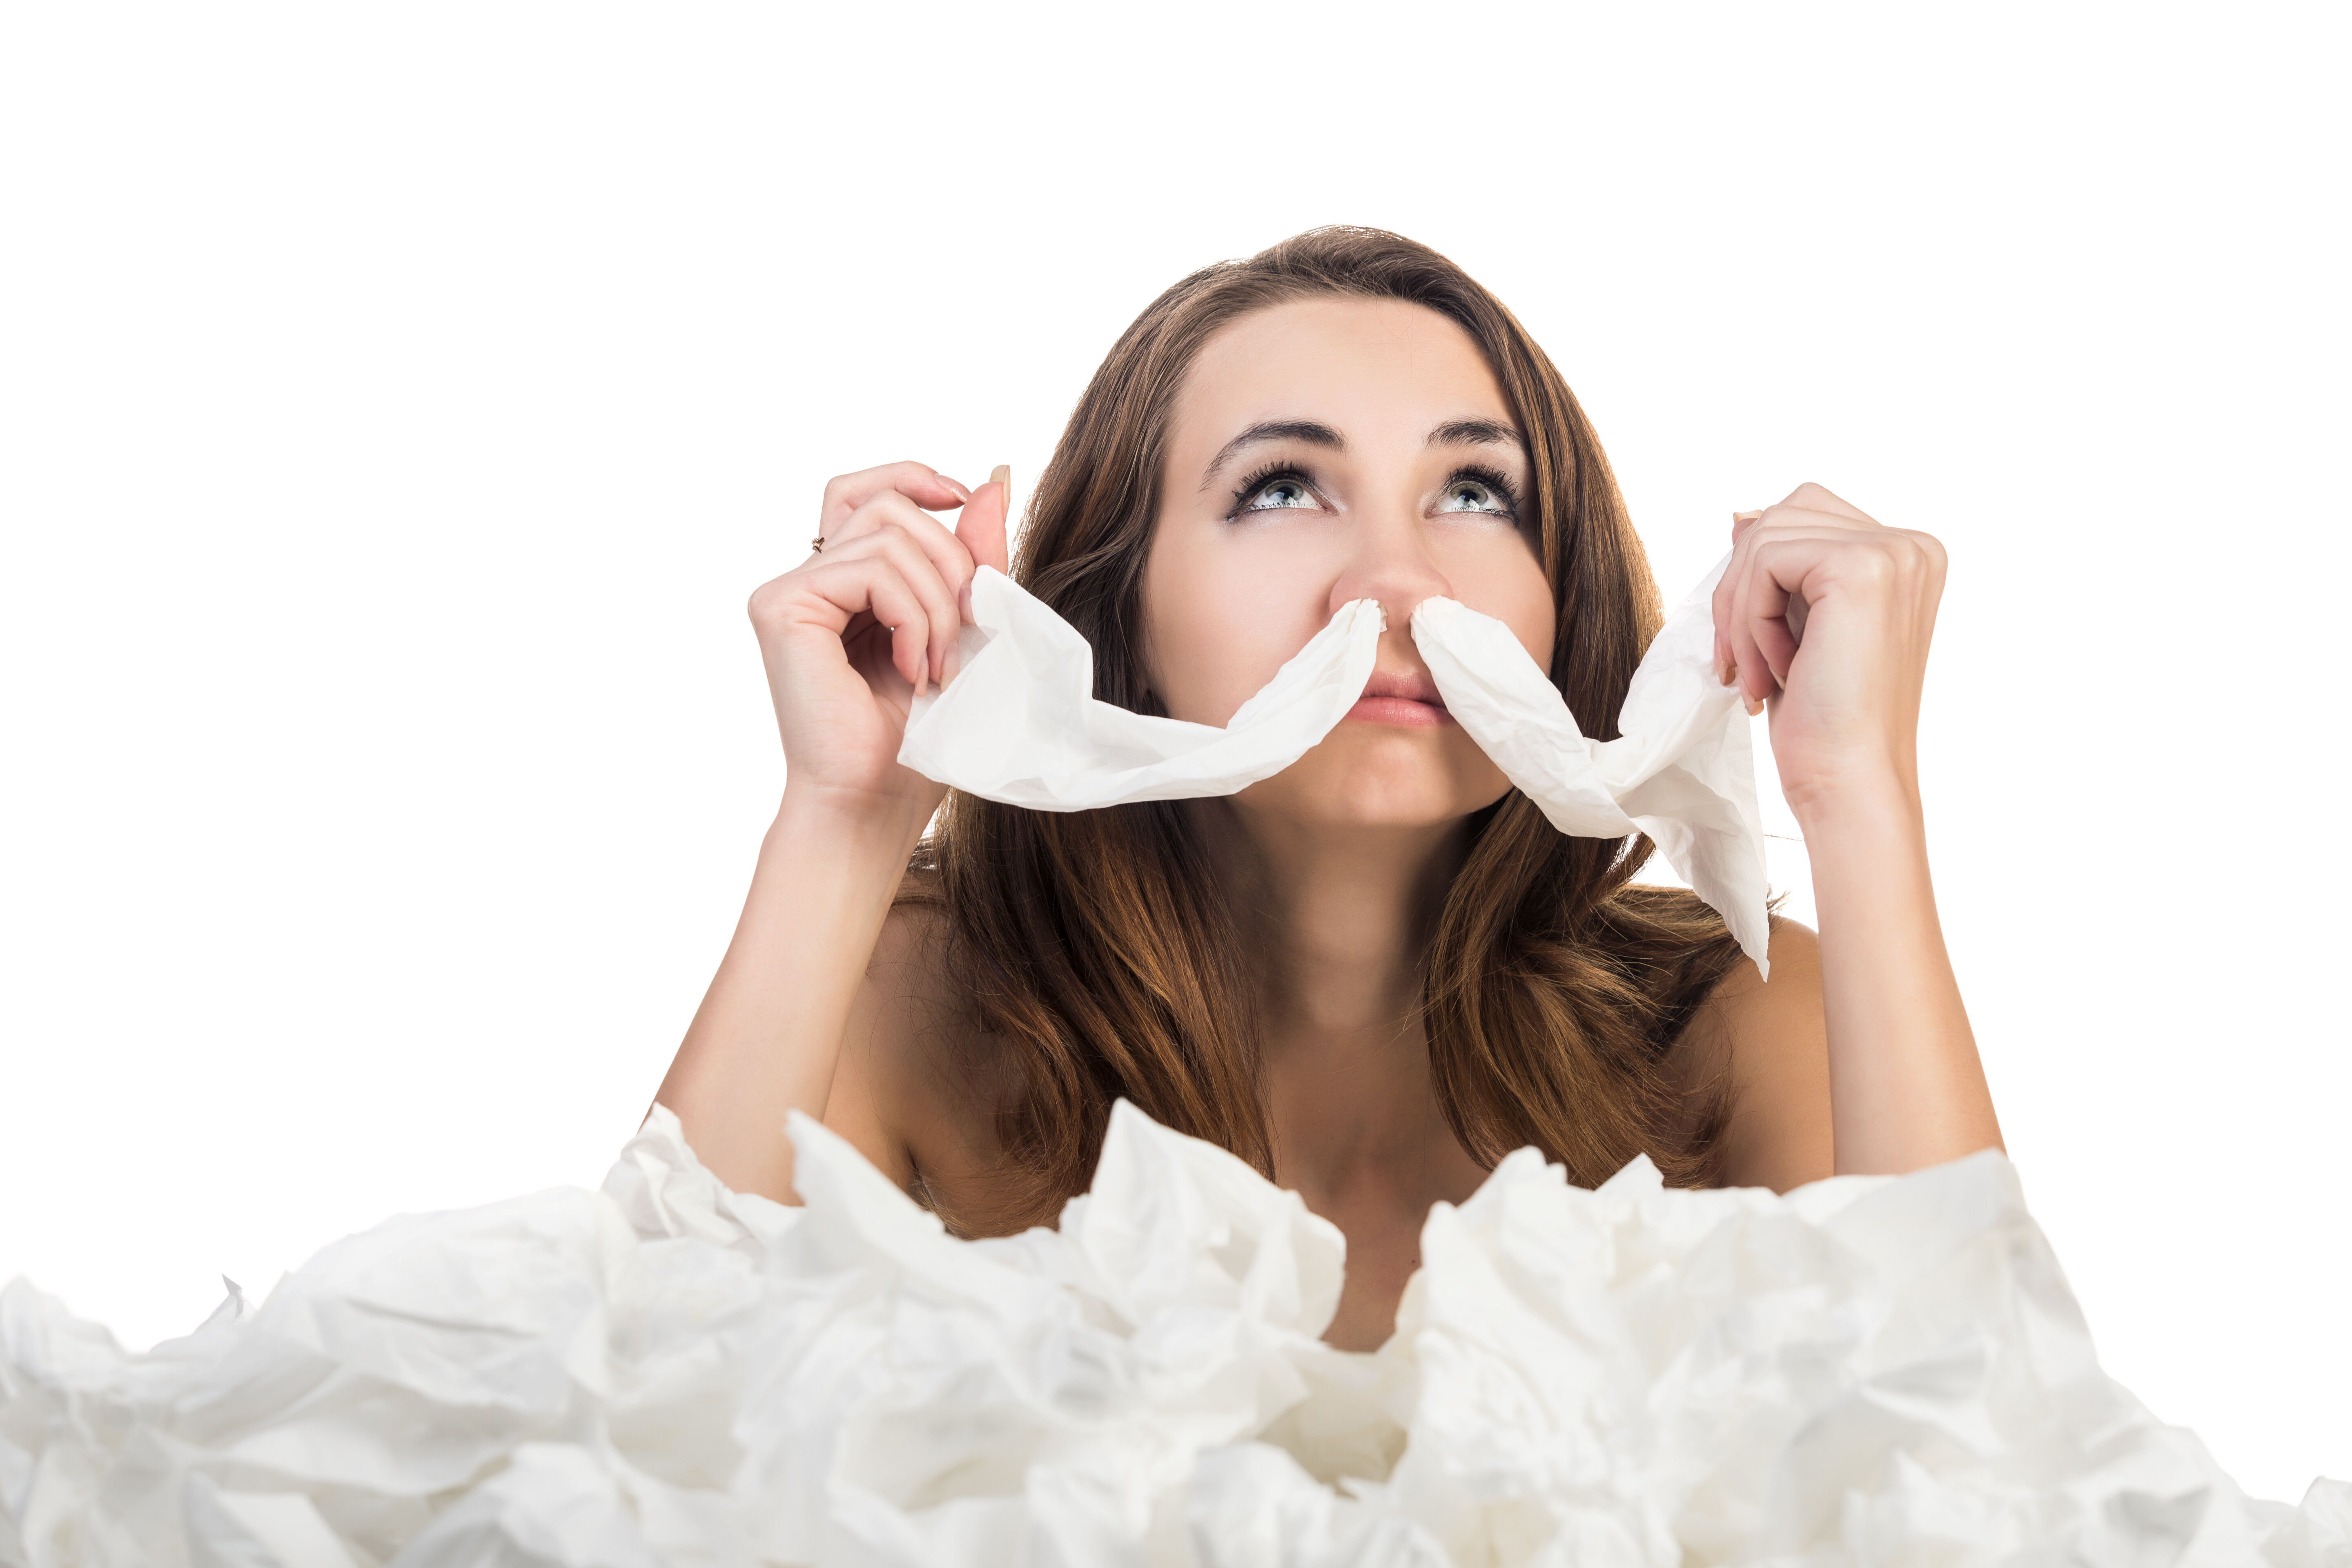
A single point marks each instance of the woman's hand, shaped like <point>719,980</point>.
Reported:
<point>851,635</point>
<point>1828,613</point>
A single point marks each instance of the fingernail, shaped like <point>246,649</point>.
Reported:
<point>1745,516</point>
<point>960,493</point>
<point>1755,706</point>
<point>1002,475</point>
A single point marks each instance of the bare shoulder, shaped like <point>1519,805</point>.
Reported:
<point>914,1088</point>
<point>1768,1042</point>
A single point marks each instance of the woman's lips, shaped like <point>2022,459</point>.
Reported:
<point>1397,711</point>
<point>1406,698</point>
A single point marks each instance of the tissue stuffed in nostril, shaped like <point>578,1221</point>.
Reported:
<point>1019,723</point>
<point>1680,770</point>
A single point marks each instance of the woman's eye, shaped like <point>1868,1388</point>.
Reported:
<point>1280,494</point>
<point>1469,495</point>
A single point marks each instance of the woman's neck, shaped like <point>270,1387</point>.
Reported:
<point>1336,919</point>
<point>1336,922</point>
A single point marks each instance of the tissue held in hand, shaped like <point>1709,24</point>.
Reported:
<point>1020,723</point>
<point>1868,1371</point>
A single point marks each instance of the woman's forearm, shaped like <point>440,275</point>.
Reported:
<point>768,1035</point>
<point>1906,1089</point>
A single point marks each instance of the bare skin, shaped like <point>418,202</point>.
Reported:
<point>1323,451</point>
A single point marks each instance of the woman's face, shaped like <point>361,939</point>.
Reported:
<point>1327,450</point>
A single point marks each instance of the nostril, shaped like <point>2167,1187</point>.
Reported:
<point>1398,581</point>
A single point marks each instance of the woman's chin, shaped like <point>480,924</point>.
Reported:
<point>1377,786</point>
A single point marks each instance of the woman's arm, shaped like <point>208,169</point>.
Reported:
<point>1828,615</point>
<point>849,638</point>
<point>768,1037</point>
<point>1906,1089</point>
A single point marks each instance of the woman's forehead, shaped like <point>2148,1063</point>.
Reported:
<point>1371,370</point>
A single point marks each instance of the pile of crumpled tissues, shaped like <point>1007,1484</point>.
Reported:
<point>1867,1371</point>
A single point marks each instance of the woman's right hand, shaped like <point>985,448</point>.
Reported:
<point>854,633</point>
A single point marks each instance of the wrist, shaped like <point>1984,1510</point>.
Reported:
<point>1870,801</point>
<point>863,822</point>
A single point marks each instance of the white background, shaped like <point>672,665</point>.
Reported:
<point>398,403</point>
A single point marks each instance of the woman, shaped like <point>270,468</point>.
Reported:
<point>1378,971</point>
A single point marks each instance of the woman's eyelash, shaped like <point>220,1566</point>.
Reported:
<point>1259,479</point>
<point>1271,473</point>
<point>1494,479</point>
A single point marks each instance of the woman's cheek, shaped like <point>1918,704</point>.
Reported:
<point>1235,657</point>
<point>1201,654</point>
<point>1508,583</point>
<point>1220,628</point>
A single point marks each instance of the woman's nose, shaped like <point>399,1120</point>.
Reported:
<point>1396,568</point>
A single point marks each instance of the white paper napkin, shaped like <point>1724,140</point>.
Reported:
<point>1019,723</point>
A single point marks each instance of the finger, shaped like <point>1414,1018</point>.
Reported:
<point>1742,522</point>
<point>1753,675</point>
<point>1729,593</point>
<point>886,577</point>
<point>1743,660</point>
<point>852,595</point>
<point>918,482</point>
<point>1822,527</point>
<point>936,635</point>
<point>893,517</point>
<point>1811,496</point>
<point>1730,598</point>
<point>894,603</point>
<point>1787,519</point>
<point>981,527</point>
<point>1775,600</point>
<point>1771,594</point>
<point>940,589</point>
<point>952,561</point>
<point>893,512</point>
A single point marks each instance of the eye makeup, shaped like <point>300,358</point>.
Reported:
<point>1269,477</point>
<point>1275,475</point>
<point>1495,480</point>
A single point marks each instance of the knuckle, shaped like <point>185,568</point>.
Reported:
<point>1878,567</point>
<point>889,509</point>
<point>1906,554</point>
<point>902,520</point>
<point>921,571</point>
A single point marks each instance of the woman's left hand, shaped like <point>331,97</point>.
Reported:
<point>1827,613</point>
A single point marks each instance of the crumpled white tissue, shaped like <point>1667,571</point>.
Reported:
<point>1019,722</point>
<point>1868,1371</point>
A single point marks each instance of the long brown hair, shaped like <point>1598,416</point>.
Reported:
<point>1096,947</point>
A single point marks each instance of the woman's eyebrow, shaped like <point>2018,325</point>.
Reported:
<point>1314,432</point>
<point>1475,433</point>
